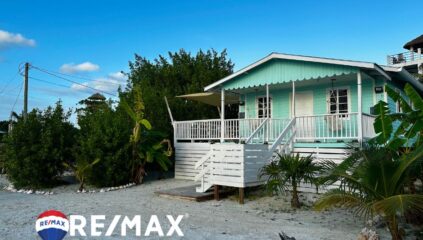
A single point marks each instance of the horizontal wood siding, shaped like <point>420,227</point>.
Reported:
<point>254,157</point>
<point>228,165</point>
<point>237,165</point>
<point>186,155</point>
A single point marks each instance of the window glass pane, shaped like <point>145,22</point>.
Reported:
<point>262,107</point>
<point>338,101</point>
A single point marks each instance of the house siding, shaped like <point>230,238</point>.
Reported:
<point>281,99</point>
<point>282,71</point>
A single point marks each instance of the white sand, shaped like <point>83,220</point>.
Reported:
<point>260,218</point>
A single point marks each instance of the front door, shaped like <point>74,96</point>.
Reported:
<point>304,112</point>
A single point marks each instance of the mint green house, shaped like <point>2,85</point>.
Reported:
<point>287,104</point>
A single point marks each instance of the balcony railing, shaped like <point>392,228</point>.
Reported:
<point>309,128</point>
<point>405,57</point>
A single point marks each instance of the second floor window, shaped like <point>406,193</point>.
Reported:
<point>338,101</point>
<point>262,107</point>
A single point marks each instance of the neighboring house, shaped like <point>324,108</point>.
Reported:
<point>287,104</point>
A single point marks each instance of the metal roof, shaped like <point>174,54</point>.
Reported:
<point>358,64</point>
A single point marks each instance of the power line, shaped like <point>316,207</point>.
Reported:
<point>48,82</point>
<point>72,75</point>
<point>17,97</point>
<point>74,82</point>
<point>9,82</point>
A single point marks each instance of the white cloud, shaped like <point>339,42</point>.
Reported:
<point>118,76</point>
<point>8,39</point>
<point>82,67</point>
<point>107,84</point>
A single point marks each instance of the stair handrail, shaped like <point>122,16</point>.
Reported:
<point>256,131</point>
<point>281,136</point>
<point>203,159</point>
<point>202,173</point>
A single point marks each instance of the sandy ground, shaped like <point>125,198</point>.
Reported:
<point>258,218</point>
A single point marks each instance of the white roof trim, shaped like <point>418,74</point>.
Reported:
<point>367,65</point>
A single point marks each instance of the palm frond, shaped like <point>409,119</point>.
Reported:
<point>339,198</point>
<point>399,204</point>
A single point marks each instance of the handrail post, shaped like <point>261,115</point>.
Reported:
<point>222,115</point>
<point>360,109</point>
<point>267,112</point>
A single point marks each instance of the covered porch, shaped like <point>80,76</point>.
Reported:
<point>323,110</point>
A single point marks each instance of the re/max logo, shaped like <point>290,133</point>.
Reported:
<point>78,225</point>
<point>52,222</point>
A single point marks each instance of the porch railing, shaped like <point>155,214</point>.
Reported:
<point>308,128</point>
<point>405,57</point>
<point>198,130</point>
<point>327,126</point>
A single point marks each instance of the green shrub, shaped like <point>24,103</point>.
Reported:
<point>37,147</point>
<point>104,135</point>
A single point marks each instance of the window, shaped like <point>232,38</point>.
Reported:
<point>261,107</point>
<point>338,101</point>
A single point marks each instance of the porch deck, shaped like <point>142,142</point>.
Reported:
<point>234,157</point>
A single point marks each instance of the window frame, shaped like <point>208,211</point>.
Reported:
<point>270,103</point>
<point>328,104</point>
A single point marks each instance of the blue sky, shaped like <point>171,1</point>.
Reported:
<point>96,39</point>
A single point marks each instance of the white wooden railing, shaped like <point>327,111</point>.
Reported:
<point>327,126</point>
<point>241,128</point>
<point>283,144</point>
<point>198,130</point>
<point>259,130</point>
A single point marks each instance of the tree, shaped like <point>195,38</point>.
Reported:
<point>104,135</point>
<point>373,181</point>
<point>144,150</point>
<point>37,147</point>
<point>288,171</point>
<point>177,74</point>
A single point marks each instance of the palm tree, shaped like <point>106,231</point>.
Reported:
<point>373,181</point>
<point>287,172</point>
<point>81,170</point>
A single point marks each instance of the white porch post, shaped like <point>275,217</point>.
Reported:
<point>222,115</point>
<point>293,99</point>
<point>267,113</point>
<point>360,109</point>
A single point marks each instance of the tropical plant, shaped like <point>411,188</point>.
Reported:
<point>372,182</point>
<point>81,170</point>
<point>145,147</point>
<point>288,172</point>
<point>409,129</point>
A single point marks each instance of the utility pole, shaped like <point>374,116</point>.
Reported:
<point>25,111</point>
